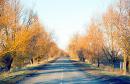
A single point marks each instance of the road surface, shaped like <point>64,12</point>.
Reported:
<point>63,71</point>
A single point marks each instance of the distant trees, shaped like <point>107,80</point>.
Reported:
<point>90,45</point>
<point>108,39</point>
<point>24,40</point>
<point>73,46</point>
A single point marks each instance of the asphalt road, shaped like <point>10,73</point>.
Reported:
<point>63,71</point>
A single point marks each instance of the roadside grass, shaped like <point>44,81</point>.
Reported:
<point>14,76</point>
<point>107,75</point>
<point>102,70</point>
<point>107,70</point>
<point>103,74</point>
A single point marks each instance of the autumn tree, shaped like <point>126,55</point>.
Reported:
<point>88,46</point>
<point>117,19</point>
<point>109,20</point>
<point>7,26</point>
<point>123,31</point>
<point>95,41</point>
<point>23,41</point>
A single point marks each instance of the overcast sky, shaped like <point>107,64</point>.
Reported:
<point>67,17</point>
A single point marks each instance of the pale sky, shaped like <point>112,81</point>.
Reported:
<point>67,17</point>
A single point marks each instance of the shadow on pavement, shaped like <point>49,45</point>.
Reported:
<point>64,65</point>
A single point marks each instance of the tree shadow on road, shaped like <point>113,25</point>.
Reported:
<point>57,67</point>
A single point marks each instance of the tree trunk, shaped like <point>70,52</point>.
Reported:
<point>98,62</point>
<point>7,59</point>
<point>121,65</point>
<point>113,64</point>
<point>10,64</point>
<point>113,60</point>
<point>31,61</point>
<point>125,64</point>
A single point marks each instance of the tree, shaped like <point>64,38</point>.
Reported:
<point>88,46</point>
<point>23,40</point>
<point>117,19</point>
<point>95,42</point>
<point>109,21</point>
<point>7,15</point>
<point>123,31</point>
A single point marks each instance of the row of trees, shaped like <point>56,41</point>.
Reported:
<point>107,39</point>
<point>23,39</point>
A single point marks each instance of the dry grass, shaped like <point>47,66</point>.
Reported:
<point>13,77</point>
<point>107,70</point>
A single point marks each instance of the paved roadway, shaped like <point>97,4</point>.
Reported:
<point>62,71</point>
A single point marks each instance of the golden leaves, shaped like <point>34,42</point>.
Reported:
<point>28,39</point>
<point>91,43</point>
